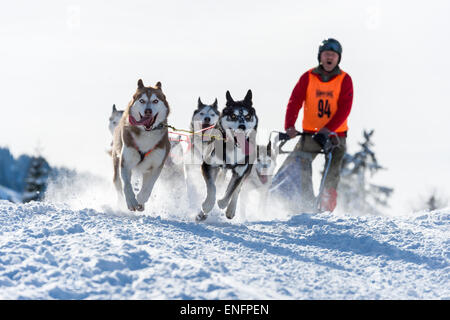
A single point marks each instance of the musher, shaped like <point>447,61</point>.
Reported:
<point>326,95</point>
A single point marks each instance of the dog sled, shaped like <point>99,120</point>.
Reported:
<point>285,191</point>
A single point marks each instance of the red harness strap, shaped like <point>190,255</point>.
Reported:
<point>145,122</point>
<point>147,153</point>
<point>142,154</point>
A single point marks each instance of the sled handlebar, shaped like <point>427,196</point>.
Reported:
<point>284,137</point>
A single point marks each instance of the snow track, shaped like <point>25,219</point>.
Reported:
<point>50,251</point>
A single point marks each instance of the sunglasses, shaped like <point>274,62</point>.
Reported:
<point>331,46</point>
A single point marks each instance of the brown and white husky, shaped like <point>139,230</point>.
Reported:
<point>141,144</point>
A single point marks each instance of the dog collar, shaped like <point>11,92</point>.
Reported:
<point>159,126</point>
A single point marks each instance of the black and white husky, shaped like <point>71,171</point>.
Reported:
<point>204,117</point>
<point>233,149</point>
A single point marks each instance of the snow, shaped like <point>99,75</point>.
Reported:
<point>52,250</point>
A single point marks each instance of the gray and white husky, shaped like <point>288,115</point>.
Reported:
<point>260,178</point>
<point>204,116</point>
<point>141,144</point>
<point>114,118</point>
<point>233,150</point>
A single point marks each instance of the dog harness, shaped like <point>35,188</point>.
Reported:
<point>143,154</point>
<point>247,151</point>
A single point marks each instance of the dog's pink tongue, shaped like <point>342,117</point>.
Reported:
<point>248,148</point>
<point>263,178</point>
<point>145,121</point>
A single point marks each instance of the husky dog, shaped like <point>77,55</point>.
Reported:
<point>205,116</point>
<point>141,144</point>
<point>114,119</point>
<point>235,152</point>
<point>260,178</point>
<point>173,167</point>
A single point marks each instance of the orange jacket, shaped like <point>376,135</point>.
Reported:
<point>327,104</point>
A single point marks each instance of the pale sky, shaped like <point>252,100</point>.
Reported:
<point>64,63</point>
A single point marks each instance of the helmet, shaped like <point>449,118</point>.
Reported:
<point>332,45</point>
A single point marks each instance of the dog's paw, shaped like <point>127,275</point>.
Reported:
<point>140,207</point>
<point>231,211</point>
<point>201,217</point>
<point>222,203</point>
<point>133,205</point>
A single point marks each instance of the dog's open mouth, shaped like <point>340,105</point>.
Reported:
<point>262,177</point>
<point>147,121</point>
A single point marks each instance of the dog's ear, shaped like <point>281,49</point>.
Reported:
<point>158,85</point>
<point>200,103</point>
<point>248,98</point>
<point>229,98</point>
<point>226,110</point>
<point>269,148</point>
<point>140,84</point>
<point>215,104</point>
<point>114,108</point>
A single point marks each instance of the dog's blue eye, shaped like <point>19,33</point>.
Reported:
<point>141,100</point>
<point>155,101</point>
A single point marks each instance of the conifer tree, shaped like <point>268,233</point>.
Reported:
<point>36,181</point>
<point>356,192</point>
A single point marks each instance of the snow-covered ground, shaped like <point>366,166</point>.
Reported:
<point>57,251</point>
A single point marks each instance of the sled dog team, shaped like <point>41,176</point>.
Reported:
<point>219,142</point>
<point>222,142</point>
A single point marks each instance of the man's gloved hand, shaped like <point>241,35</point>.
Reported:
<point>323,139</point>
<point>291,132</point>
